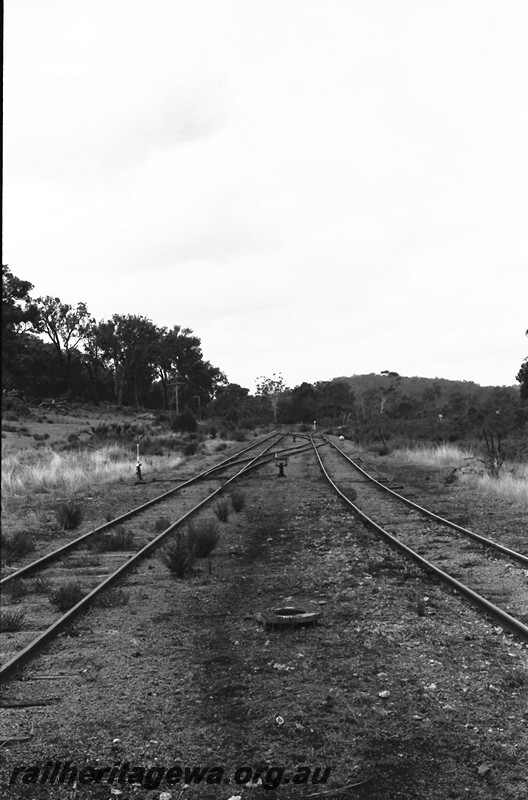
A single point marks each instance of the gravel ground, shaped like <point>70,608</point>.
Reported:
<point>402,690</point>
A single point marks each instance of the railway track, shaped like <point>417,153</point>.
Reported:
<point>95,566</point>
<point>490,575</point>
<point>231,462</point>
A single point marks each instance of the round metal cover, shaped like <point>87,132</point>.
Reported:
<point>290,616</point>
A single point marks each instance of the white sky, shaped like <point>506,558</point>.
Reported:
<point>315,187</point>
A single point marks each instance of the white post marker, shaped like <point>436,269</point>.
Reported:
<point>138,464</point>
<point>315,423</point>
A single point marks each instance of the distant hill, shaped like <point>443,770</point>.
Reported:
<point>415,385</point>
<point>432,408</point>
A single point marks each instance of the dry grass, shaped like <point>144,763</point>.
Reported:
<point>512,483</point>
<point>444,455</point>
<point>46,471</point>
<point>512,486</point>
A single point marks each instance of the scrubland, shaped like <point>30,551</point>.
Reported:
<point>469,466</point>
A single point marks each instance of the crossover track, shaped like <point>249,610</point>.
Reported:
<point>143,543</point>
<point>228,463</point>
<point>467,554</point>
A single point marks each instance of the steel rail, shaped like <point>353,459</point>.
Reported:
<point>34,566</point>
<point>13,665</point>
<point>513,554</point>
<point>287,451</point>
<point>508,622</point>
<point>59,552</point>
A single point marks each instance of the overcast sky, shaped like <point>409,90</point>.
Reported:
<point>316,187</point>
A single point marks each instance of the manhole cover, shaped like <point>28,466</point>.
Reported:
<point>290,616</point>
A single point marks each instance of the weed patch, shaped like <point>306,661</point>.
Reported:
<point>238,500</point>
<point>18,589</point>
<point>41,585</point>
<point>118,540</point>
<point>66,596</point>
<point>179,556</point>
<point>203,536</point>
<point>161,524</point>
<point>11,621</point>
<point>222,510</point>
<point>112,598</point>
<point>69,516</point>
<point>17,546</point>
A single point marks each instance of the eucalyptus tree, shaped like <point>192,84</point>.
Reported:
<point>522,377</point>
<point>182,371</point>
<point>128,346</point>
<point>66,326</point>
<point>18,314</point>
<point>272,389</point>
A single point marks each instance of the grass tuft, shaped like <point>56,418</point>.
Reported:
<point>118,540</point>
<point>11,621</point>
<point>69,515</point>
<point>222,510</point>
<point>179,556</point>
<point>41,585</point>
<point>18,589</point>
<point>203,536</point>
<point>161,524</point>
<point>16,546</point>
<point>238,500</point>
<point>66,596</point>
<point>112,598</point>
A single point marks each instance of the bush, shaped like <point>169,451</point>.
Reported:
<point>66,596</point>
<point>69,516</point>
<point>190,448</point>
<point>222,510</point>
<point>161,524</point>
<point>184,423</point>
<point>41,585</point>
<point>179,556</point>
<point>118,540</point>
<point>11,621</point>
<point>16,546</point>
<point>238,500</point>
<point>18,589</point>
<point>203,536</point>
<point>113,597</point>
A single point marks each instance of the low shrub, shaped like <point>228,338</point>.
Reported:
<point>118,540</point>
<point>161,524</point>
<point>16,546</point>
<point>238,500</point>
<point>66,596</point>
<point>184,423</point>
<point>112,598</point>
<point>69,515</point>
<point>222,510</point>
<point>203,536</point>
<point>179,556</point>
<point>18,589</point>
<point>11,621</point>
<point>190,448</point>
<point>41,585</point>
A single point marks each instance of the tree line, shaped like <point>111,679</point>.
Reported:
<point>52,349</point>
